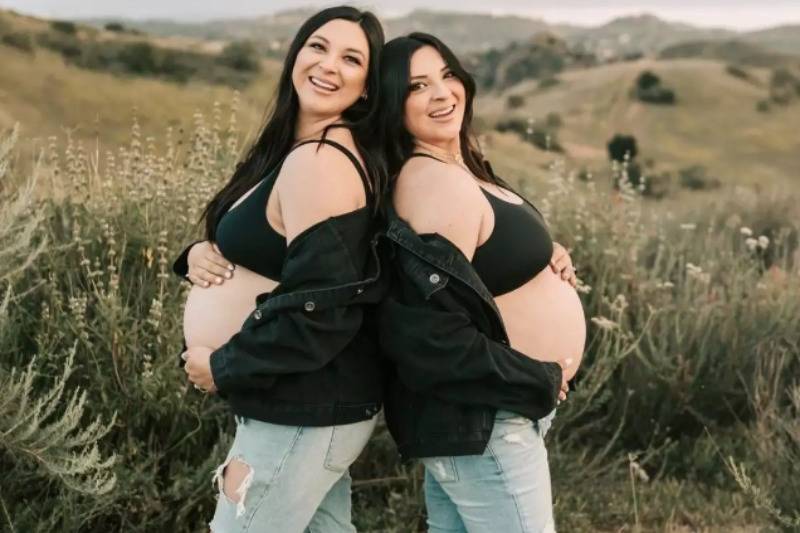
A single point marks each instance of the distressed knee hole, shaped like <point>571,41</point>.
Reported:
<point>514,438</point>
<point>233,478</point>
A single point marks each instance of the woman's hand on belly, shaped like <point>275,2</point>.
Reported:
<point>198,368</point>
<point>561,264</point>
<point>207,266</point>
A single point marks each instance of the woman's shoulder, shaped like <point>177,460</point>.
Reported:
<point>426,178</point>
<point>323,158</point>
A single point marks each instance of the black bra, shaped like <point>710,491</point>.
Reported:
<point>245,236</point>
<point>517,250</point>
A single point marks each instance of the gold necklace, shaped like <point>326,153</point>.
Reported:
<point>452,157</point>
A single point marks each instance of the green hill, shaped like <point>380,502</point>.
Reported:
<point>731,51</point>
<point>49,95</point>
<point>714,123</point>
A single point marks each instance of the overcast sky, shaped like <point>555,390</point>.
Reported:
<point>737,14</point>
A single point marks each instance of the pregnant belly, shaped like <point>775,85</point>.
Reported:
<point>212,316</point>
<point>544,319</point>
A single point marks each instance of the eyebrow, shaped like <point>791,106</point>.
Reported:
<point>346,50</point>
<point>425,75</point>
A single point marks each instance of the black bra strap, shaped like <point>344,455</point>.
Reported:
<point>349,154</point>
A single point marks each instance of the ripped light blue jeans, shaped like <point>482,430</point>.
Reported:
<point>506,489</point>
<point>298,478</point>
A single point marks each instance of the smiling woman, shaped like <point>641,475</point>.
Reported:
<point>295,220</point>
<point>485,326</point>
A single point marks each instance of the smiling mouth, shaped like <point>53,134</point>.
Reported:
<point>443,112</point>
<point>322,84</point>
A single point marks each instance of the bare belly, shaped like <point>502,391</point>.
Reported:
<point>544,319</point>
<point>212,316</point>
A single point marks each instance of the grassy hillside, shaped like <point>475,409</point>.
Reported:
<point>48,97</point>
<point>732,51</point>
<point>782,38</point>
<point>715,122</point>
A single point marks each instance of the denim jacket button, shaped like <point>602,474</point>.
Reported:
<point>309,306</point>
<point>434,278</point>
<point>257,314</point>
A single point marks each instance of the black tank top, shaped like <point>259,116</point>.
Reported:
<point>517,250</point>
<point>245,236</point>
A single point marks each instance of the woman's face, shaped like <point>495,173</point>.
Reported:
<point>434,108</point>
<point>330,71</point>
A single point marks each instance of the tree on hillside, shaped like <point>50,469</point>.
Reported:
<point>647,80</point>
<point>139,58</point>
<point>648,88</point>
<point>240,55</point>
<point>64,26</point>
<point>620,145</point>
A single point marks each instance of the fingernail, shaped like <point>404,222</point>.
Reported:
<point>205,284</point>
<point>218,280</point>
<point>230,267</point>
<point>228,275</point>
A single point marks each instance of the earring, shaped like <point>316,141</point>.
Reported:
<point>364,95</point>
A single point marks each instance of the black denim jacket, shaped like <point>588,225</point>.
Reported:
<point>453,366</point>
<point>308,355</point>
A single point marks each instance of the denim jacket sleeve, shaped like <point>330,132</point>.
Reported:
<point>440,336</point>
<point>306,321</point>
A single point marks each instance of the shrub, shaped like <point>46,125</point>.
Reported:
<point>737,72</point>
<point>696,179</point>
<point>647,80</point>
<point>762,106</point>
<point>549,81</point>
<point>784,86</point>
<point>64,26</point>
<point>515,101</point>
<point>657,95</point>
<point>68,46</point>
<point>648,88</point>
<point>19,40</point>
<point>621,147</point>
<point>553,120</point>
<point>541,137</point>
<point>115,27</point>
<point>138,58</point>
<point>240,55</point>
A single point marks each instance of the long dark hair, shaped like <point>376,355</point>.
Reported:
<point>277,136</point>
<point>395,73</point>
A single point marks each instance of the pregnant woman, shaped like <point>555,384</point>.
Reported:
<point>484,325</point>
<point>283,338</point>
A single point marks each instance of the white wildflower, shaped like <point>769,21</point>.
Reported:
<point>763,241</point>
<point>688,226</point>
<point>604,323</point>
<point>583,288</point>
<point>751,243</point>
<point>747,232</point>
<point>691,268</point>
<point>696,272</point>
